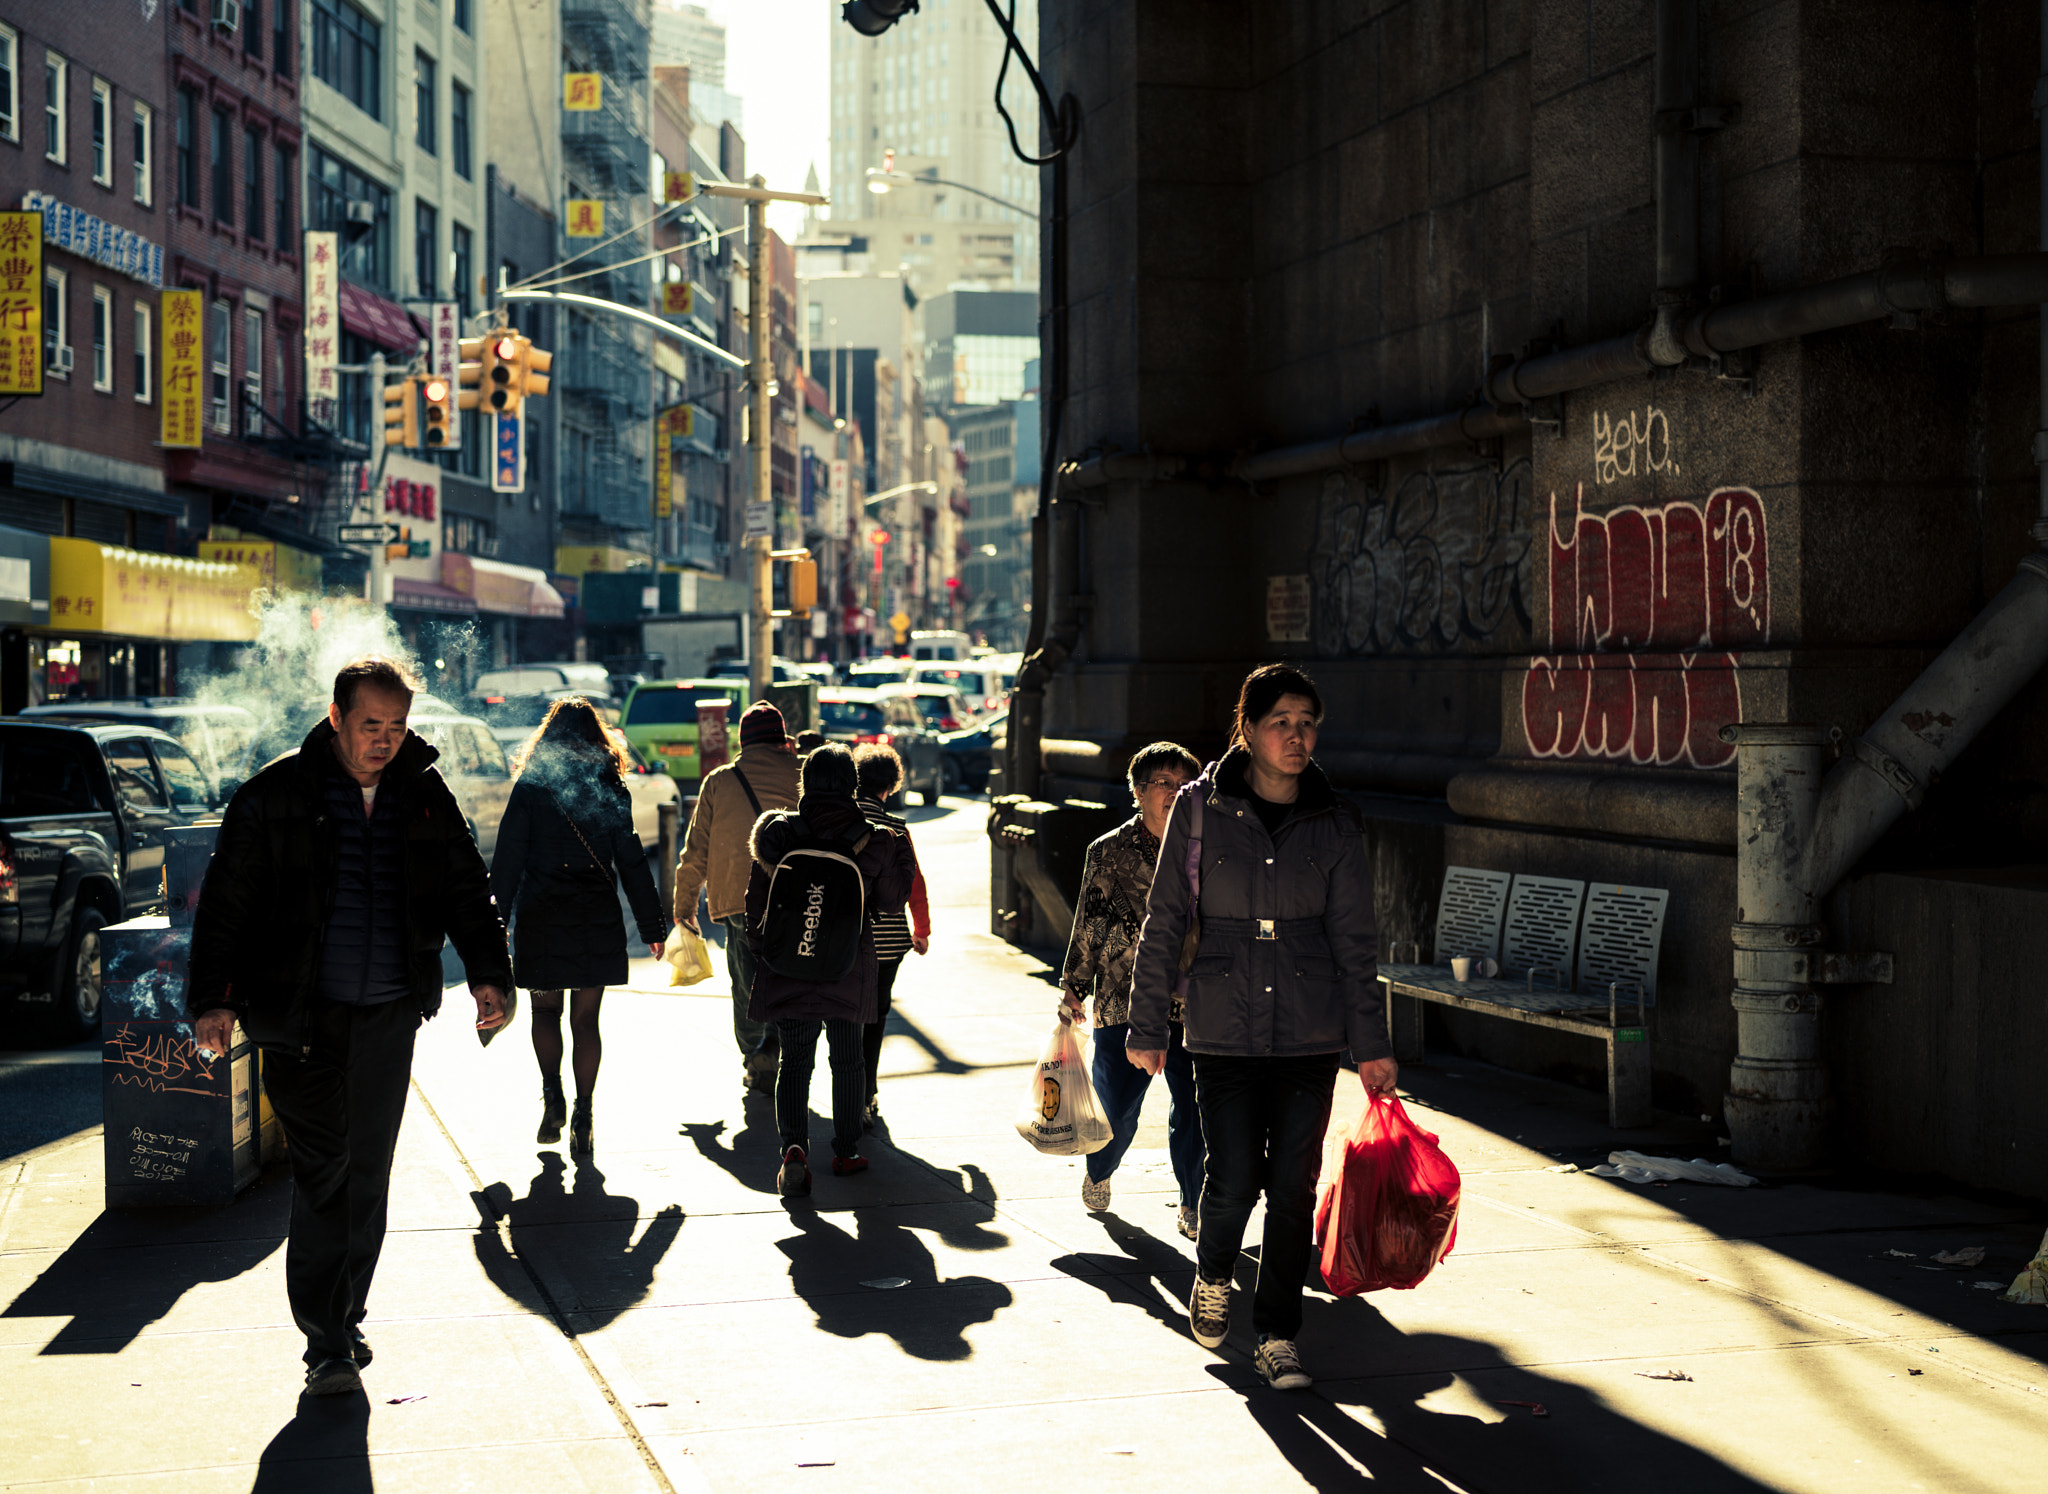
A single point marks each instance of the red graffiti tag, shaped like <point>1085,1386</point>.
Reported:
<point>1649,709</point>
<point>1683,576</point>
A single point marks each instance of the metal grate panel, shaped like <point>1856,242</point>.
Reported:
<point>1468,913</point>
<point>1624,926</point>
<point>1543,923</point>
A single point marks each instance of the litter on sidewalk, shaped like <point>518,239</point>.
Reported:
<point>1969,1255</point>
<point>1669,1374</point>
<point>1634,1167</point>
<point>2031,1285</point>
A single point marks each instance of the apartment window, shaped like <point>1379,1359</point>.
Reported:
<point>56,324</point>
<point>462,264</point>
<point>423,103</point>
<point>281,58</point>
<point>252,183</point>
<point>461,13</point>
<point>252,28</point>
<point>348,53</point>
<point>102,339</point>
<point>10,86</point>
<point>56,78</point>
<point>426,233</point>
<point>283,173</point>
<point>365,248</point>
<point>145,126</point>
<point>223,158</point>
<point>458,129</point>
<point>188,147</point>
<point>219,336</point>
<point>102,132</point>
<point>252,371</point>
<point>143,349</point>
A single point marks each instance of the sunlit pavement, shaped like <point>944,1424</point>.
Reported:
<point>953,1319</point>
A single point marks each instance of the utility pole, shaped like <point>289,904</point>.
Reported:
<point>760,371</point>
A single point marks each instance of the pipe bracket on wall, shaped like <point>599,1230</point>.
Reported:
<point>1891,770</point>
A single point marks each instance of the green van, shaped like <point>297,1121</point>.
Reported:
<point>660,720</point>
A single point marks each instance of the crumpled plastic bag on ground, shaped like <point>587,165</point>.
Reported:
<point>1634,1167</point>
<point>2031,1285</point>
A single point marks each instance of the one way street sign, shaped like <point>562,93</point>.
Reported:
<point>369,534</point>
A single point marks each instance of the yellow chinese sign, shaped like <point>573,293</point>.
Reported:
<point>678,186</point>
<point>183,388</point>
<point>582,92</point>
<point>586,218</point>
<point>581,560</point>
<point>665,460</point>
<point>21,303</point>
<point>678,297</point>
<point>279,567</point>
<point>98,588</point>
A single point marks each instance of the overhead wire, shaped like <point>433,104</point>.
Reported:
<point>645,223</point>
<point>626,264</point>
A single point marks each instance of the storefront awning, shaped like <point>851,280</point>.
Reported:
<point>383,322</point>
<point>429,596</point>
<point>511,590</point>
<point>104,589</point>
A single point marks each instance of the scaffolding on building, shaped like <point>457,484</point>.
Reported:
<point>607,404</point>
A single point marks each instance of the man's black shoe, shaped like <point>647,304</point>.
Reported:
<point>359,1348</point>
<point>333,1377</point>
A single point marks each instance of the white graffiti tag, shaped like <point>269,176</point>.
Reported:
<point>1628,444</point>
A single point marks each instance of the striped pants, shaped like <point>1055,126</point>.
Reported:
<point>793,1083</point>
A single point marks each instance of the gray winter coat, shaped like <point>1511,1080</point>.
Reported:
<point>1312,988</point>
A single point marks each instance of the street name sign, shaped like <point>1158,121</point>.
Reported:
<point>368,534</point>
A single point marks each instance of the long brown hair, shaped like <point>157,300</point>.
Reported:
<point>572,725</point>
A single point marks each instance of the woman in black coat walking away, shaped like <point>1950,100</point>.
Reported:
<point>565,842</point>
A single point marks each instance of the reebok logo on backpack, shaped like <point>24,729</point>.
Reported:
<point>817,909</point>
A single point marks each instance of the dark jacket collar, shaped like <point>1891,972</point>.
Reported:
<point>1229,776</point>
<point>316,759</point>
<point>833,816</point>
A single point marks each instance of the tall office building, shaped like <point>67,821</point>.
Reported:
<point>686,36</point>
<point>925,89</point>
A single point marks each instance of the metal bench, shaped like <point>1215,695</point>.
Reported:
<point>1562,947</point>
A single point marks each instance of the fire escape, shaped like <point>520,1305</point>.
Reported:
<point>607,406</point>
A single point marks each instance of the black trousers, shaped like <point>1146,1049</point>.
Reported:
<point>341,1104</point>
<point>1263,1120</point>
<point>871,1037</point>
<point>793,1071</point>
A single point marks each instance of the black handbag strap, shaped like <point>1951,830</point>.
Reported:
<point>752,798</point>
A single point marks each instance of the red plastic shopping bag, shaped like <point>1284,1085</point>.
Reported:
<point>1392,1212</point>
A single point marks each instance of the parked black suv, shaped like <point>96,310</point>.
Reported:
<point>83,814</point>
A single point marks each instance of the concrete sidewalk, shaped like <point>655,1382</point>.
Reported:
<point>953,1319</point>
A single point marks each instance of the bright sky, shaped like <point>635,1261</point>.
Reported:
<point>778,58</point>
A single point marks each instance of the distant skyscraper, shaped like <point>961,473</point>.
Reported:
<point>686,36</point>
<point>925,89</point>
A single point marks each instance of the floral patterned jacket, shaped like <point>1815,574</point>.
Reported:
<point>1116,879</point>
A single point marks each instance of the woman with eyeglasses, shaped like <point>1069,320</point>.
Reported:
<point>1116,879</point>
<point>1277,943</point>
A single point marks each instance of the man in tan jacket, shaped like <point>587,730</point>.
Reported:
<point>716,858</point>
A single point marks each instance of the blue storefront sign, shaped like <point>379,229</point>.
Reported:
<point>78,232</point>
<point>508,453</point>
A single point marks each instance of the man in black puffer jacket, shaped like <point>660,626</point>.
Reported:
<point>339,872</point>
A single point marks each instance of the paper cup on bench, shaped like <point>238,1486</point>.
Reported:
<point>1461,967</point>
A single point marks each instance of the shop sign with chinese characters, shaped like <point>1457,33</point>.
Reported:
<point>78,232</point>
<point>21,304</point>
<point>323,325</point>
<point>586,218</point>
<point>582,92</point>
<point>508,452</point>
<point>183,388</point>
<point>665,460</point>
<point>678,298</point>
<point>678,186</point>
<point>104,589</point>
<point>444,347</point>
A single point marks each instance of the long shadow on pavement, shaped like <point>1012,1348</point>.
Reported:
<point>325,1447</point>
<point>842,1276</point>
<point>617,1268</point>
<point>1579,1446</point>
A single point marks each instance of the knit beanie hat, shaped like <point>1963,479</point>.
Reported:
<point>762,723</point>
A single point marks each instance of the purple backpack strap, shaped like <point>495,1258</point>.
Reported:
<point>1192,868</point>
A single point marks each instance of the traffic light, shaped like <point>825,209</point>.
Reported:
<point>401,417</point>
<point>873,17</point>
<point>500,372</point>
<point>438,395</point>
<point>469,372</point>
<point>531,379</point>
<point>794,583</point>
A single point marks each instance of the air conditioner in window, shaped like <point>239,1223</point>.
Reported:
<point>60,359</point>
<point>364,213</point>
<point>227,14</point>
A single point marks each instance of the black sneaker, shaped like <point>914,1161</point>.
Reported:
<point>359,1348</point>
<point>333,1377</point>
<point>1279,1365</point>
<point>1209,1311</point>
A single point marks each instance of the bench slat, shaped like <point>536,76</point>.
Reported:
<point>1543,923</point>
<point>1623,928</point>
<point>1469,912</point>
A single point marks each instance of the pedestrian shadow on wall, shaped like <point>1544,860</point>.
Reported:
<point>879,1277</point>
<point>1398,1405</point>
<point>325,1447</point>
<point>130,1267</point>
<point>594,1240</point>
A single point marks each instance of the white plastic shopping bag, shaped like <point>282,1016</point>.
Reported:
<point>687,959</point>
<point>1059,1115</point>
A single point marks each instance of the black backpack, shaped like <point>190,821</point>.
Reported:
<point>817,909</point>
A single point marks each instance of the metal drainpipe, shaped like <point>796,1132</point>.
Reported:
<point>1777,1103</point>
<point>1678,175</point>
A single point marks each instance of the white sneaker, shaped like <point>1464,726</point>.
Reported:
<point>1095,1195</point>
<point>1189,1222</point>
<point>1279,1366</point>
<point>1209,1311</point>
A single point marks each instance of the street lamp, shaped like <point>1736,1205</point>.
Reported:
<point>882,181</point>
<point>908,487</point>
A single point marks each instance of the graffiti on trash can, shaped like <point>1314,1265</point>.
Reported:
<point>159,1156</point>
<point>164,1061</point>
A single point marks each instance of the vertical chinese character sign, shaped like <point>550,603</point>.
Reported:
<point>665,460</point>
<point>183,388</point>
<point>21,303</point>
<point>586,218</point>
<point>444,350</point>
<point>508,452</point>
<point>323,326</point>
